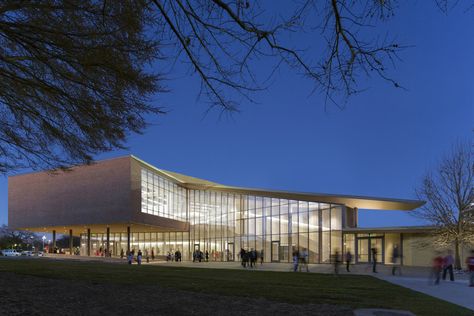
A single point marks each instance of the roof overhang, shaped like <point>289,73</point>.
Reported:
<point>361,202</point>
<point>102,228</point>
<point>399,229</point>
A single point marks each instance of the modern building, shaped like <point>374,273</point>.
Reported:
<point>126,203</point>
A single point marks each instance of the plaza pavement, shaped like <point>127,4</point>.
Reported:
<point>415,278</point>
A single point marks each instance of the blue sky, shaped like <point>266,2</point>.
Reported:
<point>381,144</point>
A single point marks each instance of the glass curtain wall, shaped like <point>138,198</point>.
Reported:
<point>162,197</point>
<point>159,243</point>
<point>222,223</point>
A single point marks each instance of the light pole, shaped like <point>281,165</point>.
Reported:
<point>43,238</point>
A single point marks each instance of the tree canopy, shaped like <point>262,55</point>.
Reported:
<point>76,77</point>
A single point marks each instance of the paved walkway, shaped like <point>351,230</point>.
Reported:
<point>415,278</point>
<point>457,292</point>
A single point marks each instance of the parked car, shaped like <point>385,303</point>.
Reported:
<point>39,254</point>
<point>10,253</point>
<point>26,253</point>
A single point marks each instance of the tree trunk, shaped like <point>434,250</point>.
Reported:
<point>457,258</point>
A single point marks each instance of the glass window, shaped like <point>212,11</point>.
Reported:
<point>313,215</point>
<point>336,217</point>
<point>326,216</point>
<point>303,222</point>
<point>284,223</point>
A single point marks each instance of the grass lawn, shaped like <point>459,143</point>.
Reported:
<point>355,291</point>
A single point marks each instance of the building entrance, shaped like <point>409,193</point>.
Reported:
<point>364,249</point>
<point>229,252</point>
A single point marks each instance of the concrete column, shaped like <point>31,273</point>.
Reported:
<point>108,241</point>
<point>88,242</point>
<point>54,240</point>
<point>128,238</point>
<point>400,247</point>
<point>356,216</point>
<point>70,242</point>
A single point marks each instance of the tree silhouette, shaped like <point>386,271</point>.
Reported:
<point>449,195</point>
<point>77,77</point>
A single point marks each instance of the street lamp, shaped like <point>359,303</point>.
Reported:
<point>44,238</point>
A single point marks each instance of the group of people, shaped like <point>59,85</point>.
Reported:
<point>176,256</point>
<point>199,256</point>
<point>103,253</point>
<point>250,257</point>
<point>442,265</point>
<point>130,254</point>
<point>337,259</point>
<point>131,257</point>
<point>300,260</point>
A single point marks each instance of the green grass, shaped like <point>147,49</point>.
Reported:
<point>355,291</point>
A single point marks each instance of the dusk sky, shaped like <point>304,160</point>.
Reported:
<point>381,144</point>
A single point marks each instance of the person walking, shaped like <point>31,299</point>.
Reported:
<point>152,254</point>
<point>253,257</point>
<point>261,257</point>
<point>242,256</point>
<point>448,262</point>
<point>374,259</point>
<point>437,267</point>
<point>139,257</point>
<point>348,260</point>
<point>129,257</point>
<point>178,256</point>
<point>147,257</point>
<point>207,256</point>
<point>121,253</point>
<point>395,260</point>
<point>303,264</point>
<point>337,262</point>
<point>470,268</point>
<point>295,260</point>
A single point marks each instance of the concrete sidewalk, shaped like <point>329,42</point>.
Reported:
<point>457,292</point>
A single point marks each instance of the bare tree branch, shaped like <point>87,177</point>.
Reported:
<point>449,193</point>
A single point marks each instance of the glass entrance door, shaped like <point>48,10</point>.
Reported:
<point>377,243</point>
<point>364,249</point>
<point>275,251</point>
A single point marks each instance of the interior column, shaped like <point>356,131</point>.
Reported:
<point>54,241</point>
<point>88,242</point>
<point>108,242</point>
<point>128,239</point>
<point>70,242</point>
